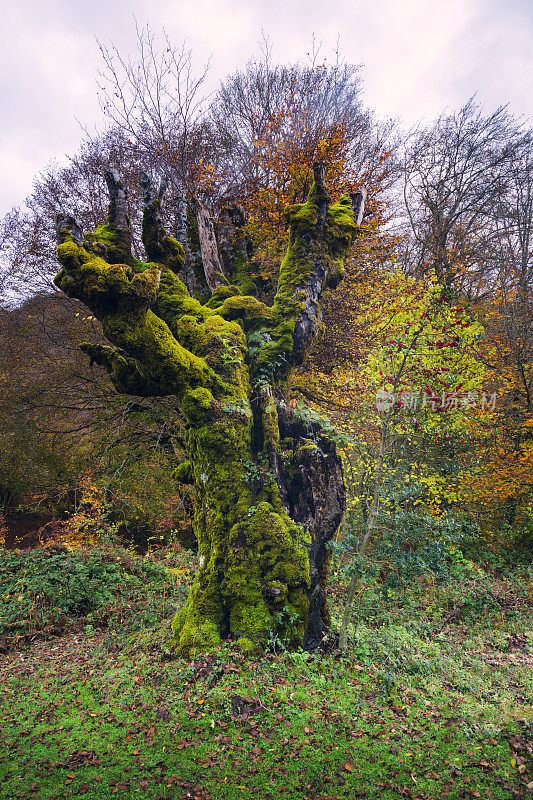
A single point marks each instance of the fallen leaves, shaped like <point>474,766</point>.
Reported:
<point>244,707</point>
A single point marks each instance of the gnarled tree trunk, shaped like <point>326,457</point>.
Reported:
<point>269,490</point>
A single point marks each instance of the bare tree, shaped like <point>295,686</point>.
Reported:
<point>455,173</point>
<point>155,100</point>
<point>309,99</point>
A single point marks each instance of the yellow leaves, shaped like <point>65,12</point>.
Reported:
<point>177,573</point>
<point>415,344</point>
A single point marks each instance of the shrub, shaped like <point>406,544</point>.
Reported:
<point>413,545</point>
<point>43,588</point>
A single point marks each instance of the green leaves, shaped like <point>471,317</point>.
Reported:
<point>42,588</point>
<point>327,428</point>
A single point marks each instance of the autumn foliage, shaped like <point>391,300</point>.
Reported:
<point>434,308</point>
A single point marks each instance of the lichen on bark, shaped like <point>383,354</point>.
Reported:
<point>269,491</point>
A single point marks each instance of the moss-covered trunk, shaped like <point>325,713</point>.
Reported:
<point>269,496</point>
<point>269,490</point>
<point>253,573</point>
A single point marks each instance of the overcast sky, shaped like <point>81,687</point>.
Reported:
<point>418,57</point>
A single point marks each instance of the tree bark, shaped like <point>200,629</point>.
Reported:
<point>208,247</point>
<point>314,495</point>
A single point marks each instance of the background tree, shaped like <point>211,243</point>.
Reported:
<point>455,173</point>
<point>61,421</point>
<point>497,484</point>
<point>419,368</point>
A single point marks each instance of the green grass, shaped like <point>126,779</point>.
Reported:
<point>409,712</point>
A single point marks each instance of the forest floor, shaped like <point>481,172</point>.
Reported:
<point>429,702</point>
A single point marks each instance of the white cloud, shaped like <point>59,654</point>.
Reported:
<point>47,73</point>
<point>405,67</point>
<point>418,58</point>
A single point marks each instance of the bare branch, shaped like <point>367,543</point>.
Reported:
<point>118,201</point>
<point>66,222</point>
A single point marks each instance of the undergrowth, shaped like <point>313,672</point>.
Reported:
<point>433,698</point>
<point>51,590</point>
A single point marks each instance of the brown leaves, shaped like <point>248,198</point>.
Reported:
<point>244,707</point>
<point>80,758</point>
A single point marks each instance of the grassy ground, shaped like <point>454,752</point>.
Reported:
<point>432,700</point>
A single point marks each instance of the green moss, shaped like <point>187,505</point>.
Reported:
<point>312,245</point>
<point>197,405</point>
<point>246,646</point>
<point>113,245</point>
<point>268,551</point>
<point>220,294</point>
<point>183,473</point>
<point>249,548</point>
<point>194,633</point>
<point>340,232</point>
<point>306,445</point>
<point>71,256</point>
<point>190,333</point>
<point>253,558</point>
<point>251,311</point>
<point>241,272</point>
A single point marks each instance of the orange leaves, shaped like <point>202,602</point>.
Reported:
<point>497,477</point>
<point>82,527</point>
<point>288,140</point>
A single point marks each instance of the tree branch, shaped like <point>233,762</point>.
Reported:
<point>159,247</point>
<point>320,236</point>
<point>67,224</point>
<point>117,215</point>
<point>122,370</point>
<point>121,299</point>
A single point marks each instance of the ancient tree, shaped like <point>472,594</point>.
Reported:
<point>269,489</point>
